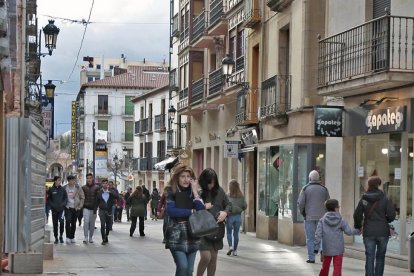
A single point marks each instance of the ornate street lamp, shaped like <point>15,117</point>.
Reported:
<point>50,89</point>
<point>51,32</point>
<point>227,69</point>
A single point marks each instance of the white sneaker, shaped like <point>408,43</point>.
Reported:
<point>235,253</point>
<point>85,240</point>
<point>68,241</point>
<point>90,240</point>
<point>72,241</point>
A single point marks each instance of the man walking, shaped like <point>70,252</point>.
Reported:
<point>127,206</point>
<point>311,205</point>
<point>106,199</point>
<point>89,208</point>
<point>146,193</point>
<point>76,198</point>
<point>114,190</point>
<point>57,199</point>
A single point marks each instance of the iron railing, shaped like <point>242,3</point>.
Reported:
<point>184,34</point>
<point>144,125</point>
<point>241,117</point>
<point>174,29</point>
<point>197,91</point>
<point>382,44</point>
<point>183,94</point>
<point>173,80</point>
<point>145,164</point>
<point>216,12</point>
<point>198,26</point>
<point>135,164</point>
<point>154,161</point>
<point>159,122</point>
<point>171,139</point>
<point>215,81</point>
<point>276,96</point>
<point>240,63</point>
<point>137,127</point>
<point>98,111</point>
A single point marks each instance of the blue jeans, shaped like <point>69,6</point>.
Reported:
<point>184,262</point>
<point>375,248</point>
<point>233,225</point>
<point>310,229</point>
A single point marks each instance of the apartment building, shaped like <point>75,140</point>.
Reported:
<point>366,62</point>
<point>153,135</point>
<point>108,104</point>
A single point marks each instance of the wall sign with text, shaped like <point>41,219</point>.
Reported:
<point>328,121</point>
<point>386,120</point>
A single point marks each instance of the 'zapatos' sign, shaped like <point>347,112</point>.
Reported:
<point>386,120</point>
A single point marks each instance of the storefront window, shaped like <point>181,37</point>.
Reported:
<point>380,155</point>
<point>262,181</point>
<point>286,180</point>
<point>269,181</point>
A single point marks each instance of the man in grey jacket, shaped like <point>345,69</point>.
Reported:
<point>311,205</point>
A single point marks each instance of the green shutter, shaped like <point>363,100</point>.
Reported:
<point>103,125</point>
<point>129,131</point>
<point>129,105</point>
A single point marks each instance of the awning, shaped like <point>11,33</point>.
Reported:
<point>166,164</point>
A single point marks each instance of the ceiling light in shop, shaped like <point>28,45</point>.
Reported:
<point>411,154</point>
<point>384,151</point>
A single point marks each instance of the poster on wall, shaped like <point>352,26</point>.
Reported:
<point>231,149</point>
<point>328,121</point>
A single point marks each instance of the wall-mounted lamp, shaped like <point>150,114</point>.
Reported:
<point>227,67</point>
<point>50,89</point>
<point>50,32</point>
<point>171,116</point>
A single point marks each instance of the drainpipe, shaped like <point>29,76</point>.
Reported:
<point>21,52</point>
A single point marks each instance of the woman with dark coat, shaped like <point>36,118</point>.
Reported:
<point>182,199</point>
<point>155,198</point>
<point>138,203</point>
<point>217,202</point>
<point>376,211</point>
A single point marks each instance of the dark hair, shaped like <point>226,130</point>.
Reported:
<point>234,189</point>
<point>331,204</point>
<point>373,183</point>
<point>208,176</point>
<point>89,174</point>
<point>56,178</point>
<point>137,193</point>
<point>104,181</point>
<point>70,177</point>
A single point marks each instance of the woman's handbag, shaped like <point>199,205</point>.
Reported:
<point>202,223</point>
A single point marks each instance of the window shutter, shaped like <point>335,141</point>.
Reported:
<point>379,7</point>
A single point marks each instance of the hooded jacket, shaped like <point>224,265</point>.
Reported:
<point>330,231</point>
<point>57,198</point>
<point>375,222</point>
<point>311,201</point>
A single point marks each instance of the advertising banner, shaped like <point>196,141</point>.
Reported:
<point>328,121</point>
<point>73,131</point>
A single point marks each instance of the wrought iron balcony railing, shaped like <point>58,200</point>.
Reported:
<point>159,122</point>
<point>216,12</point>
<point>215,82</point>
<point>174,28</point>
<point>145,164</point>
<point>173,80</point>
<point>240,63</point>
<point>199,25</point>
<point>99,111</point>
<point>276,96</point>
<point>197,90</point>
<point>241,117</point>
<point>184,34</point>
<point>382,44</point>
<point>137,127</point>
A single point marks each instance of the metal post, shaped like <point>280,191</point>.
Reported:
<point>93,149</point>
<point>116,172</point>
<point>87,165</point>
<point>1,179</point>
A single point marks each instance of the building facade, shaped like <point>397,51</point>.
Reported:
<point>107,104</point>
<point>372,74</point>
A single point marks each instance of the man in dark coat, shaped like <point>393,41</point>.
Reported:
<point>57,199</point>
<point>105,199</point>
<point>146,193</point>
<point>127,206</point>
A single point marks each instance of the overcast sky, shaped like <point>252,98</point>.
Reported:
<point>116,32</point>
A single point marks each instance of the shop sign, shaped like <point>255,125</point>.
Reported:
<point>328,121</point>
<point>73,131</point>
<point>231,149</point>
<point>386,120</point>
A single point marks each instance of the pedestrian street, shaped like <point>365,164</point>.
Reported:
<point>124,255</point>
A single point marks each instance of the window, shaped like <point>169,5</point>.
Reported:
<point>97,78</point>
<point>148,149</point>
<point>98,66</point>
<point>141,150</point>
<point>240,44</point>
<point>103,125</point>
<point>129,131</point>
<point>129,105</point>
<point>379,7</point>
<point>111,67</point>
<point>232,47</point>
<point>103,104</point>
<point>90,79</point>
<point>161,149</point>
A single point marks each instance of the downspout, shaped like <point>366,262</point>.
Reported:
<point>305,40</point>
<point>21,62</point>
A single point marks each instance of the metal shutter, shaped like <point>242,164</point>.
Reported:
<point>379,7</point>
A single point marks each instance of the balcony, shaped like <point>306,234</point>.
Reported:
<point>275,97</point>
<point>174,28</point>
<point>182,99</point>
<point>135,165</point>
<point>127,111</point>
<point>278,5</point>
<point>159,123</point>
<point>173,80</point>
<point>215,82</point>
<point>251,13</point>
<point>172,138</point>
<point>81,111</point>
<point>100,112</point>
<point>232,4</point>
<point>199,26</point>
<point>137,128</point>
<point>154,161</point>
<point>146,125</point>
<point>145,164</point>
<point>184,35</point>
<point>217,20</point>
<point>127,137</point>
<point>373,56</point>
<point>197,91</point>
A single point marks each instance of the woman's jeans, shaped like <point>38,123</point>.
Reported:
<point>184,262</point>
<point>375,249</point>
<point>233,225</point>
